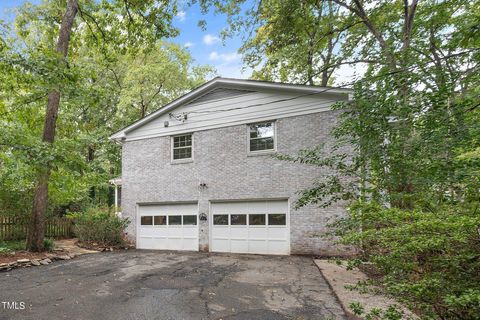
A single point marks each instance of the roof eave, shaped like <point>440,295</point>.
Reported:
<point>278,85</point>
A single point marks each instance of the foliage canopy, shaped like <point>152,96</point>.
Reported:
<point>104,86</point>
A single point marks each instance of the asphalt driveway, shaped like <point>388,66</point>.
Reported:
<point>164,285</point>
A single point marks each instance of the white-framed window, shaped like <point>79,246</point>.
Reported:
<point>182,147</point>
<point>261,136</point>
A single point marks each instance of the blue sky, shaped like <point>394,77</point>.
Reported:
<point>205,46</point>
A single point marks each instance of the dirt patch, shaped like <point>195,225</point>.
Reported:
<point>65,249</point>
<point>72,246</point>
<point>100,247</point>
<point>9,257</point>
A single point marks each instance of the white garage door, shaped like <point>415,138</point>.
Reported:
<point>168,227</point>
<point>250,227</point>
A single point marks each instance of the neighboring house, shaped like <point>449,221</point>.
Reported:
<point>200,173</point>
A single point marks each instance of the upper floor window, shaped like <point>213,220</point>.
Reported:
<point>261,136</point>
<point>182,147</point>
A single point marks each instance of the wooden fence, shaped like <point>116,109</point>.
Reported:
<point>12,228</point>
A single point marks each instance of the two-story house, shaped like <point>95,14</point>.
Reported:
<point>201,173</point>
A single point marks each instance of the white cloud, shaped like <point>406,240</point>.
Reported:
<point>209,39</point>
<point>224,57</point>
<point>181,15</point>
<point>188,44</point>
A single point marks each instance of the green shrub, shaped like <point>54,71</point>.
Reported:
<point>429,260</point>
<point>11,245</point>
<point>99,225</point>
<point>48,244</point>
<point>4,250</point>
<point>391,313</point>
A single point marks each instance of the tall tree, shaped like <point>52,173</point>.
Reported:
<point>36,232</point>
<point>128,24</point>
<point>110,68</point>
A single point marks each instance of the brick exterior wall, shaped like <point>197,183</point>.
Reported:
<point>222,163</point>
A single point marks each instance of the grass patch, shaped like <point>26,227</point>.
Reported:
<point>13,245</point>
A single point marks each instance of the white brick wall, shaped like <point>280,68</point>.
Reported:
<point>221,161</point>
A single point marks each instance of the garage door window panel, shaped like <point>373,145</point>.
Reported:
<point>146,220</point>
<point>256,219</point>
<point>279,219</point>
<point>160,220</point>
<point>174,220</point>
<point>190,220</point>
<point>220,219</point>
<point>238,219</point>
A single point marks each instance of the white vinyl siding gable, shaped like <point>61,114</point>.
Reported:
<point>219,93</point>
<point>240,109</point>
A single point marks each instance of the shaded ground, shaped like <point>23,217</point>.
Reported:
<point>164,285</point>
<point>64,246</point>
<point>340,279</point>
<point>12,250</point>
<point>12,257</point>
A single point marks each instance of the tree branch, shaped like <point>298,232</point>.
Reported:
<point>156,93</point>
<point>127,8</point>
<point>409,12</point>
<point>360,12</point>
<point>88,24</point>
<point>94,21</point>
<point>117,80</point>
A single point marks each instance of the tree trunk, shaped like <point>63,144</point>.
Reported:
<point>90,158</point>
<point>36,231</point>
